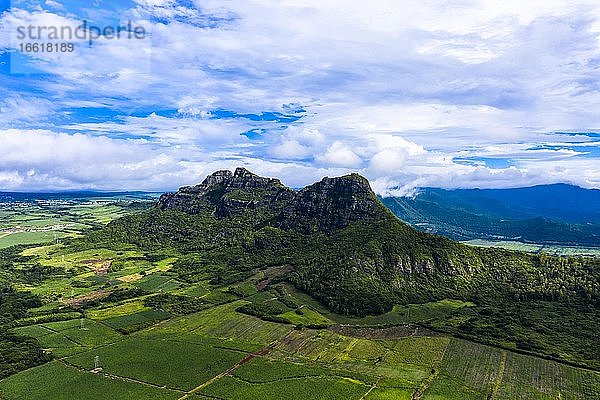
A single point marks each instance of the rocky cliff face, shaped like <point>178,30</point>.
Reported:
<point>327,205</point>
<point>226,194</point>
<point>332,203</point>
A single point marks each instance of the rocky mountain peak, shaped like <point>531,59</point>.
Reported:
<point>227,194</point>
<point>332,203</point>
<point>327,205</point>
<point>217,178</point>
<point>241,172</point>
<point>241,178</point>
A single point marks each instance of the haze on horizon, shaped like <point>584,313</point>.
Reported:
<point>407,93</point>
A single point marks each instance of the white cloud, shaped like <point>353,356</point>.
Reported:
<point>397,90</point>
<point>291,150</point>
<point>38,159</point>
<point>387,161</point>
<point>24,109</point>
<point>339,155</point>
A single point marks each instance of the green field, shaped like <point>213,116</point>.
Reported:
<point>31,238</point>
<point>202,354</point>
<point>69,337</point>
<point>296,388</point>
<point>61,382</point>
<point>534,378</point>
<point>176,365</point>
<point>157,283</point>
<point>38,223</point>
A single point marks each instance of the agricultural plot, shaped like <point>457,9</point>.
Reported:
<point>425,351</point>
<point>31,237</point>
<point>188,351</point>
<point>444,388</point>
<point>261,370</point>
<point>329,388</point>
<point>221,322</point>
<point>477,366</point>
<point>131,307</point>
<point>390,394</point>
<point>84,260</point>
<point>534,378</point>
<point>101,214</point>
<point>174,364</point>
<point>372,360</point>
<point>132,322</point>
<point>367,350</point>
<point>293,341</point>
<point>70,337</point>
<point>57,381</point>
<point>220,297</point>
<point>200,289</point>
<point>37,223</point>
<point>129,316</point>
<point>327,347</point>
<point>157,283</point>
<point>305,316</point>
<point>54,289</point>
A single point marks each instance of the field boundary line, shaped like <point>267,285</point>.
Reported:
<point>364,396</point>
<point>62,334</point>
<point>228,371</point>
<point>499,376</point>
<point>295,378</point>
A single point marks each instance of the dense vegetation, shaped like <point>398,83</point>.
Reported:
<point>363,260</point>
<point>17,352</point>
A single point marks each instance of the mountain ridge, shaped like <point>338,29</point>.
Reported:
<point>556,214</point>
<point>328,204</point>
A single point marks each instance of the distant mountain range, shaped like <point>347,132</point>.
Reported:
<point>553,214</point>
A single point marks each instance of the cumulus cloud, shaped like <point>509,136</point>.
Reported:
<point>411,93</point>
<point>339,155</point>
<point>39,159</point>
<point>290,149</point>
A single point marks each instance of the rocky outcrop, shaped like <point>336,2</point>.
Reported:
<point>327,205</point>
<point>226,194</point>
<point>332,203</point>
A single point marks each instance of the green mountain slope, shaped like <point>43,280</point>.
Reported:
<point>341,245</point>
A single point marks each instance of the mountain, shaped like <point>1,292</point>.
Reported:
<point>327,205</point>
<point>552,214</point>
<point>336,241</point>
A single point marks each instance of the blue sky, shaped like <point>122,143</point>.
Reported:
<point>408,93</point>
